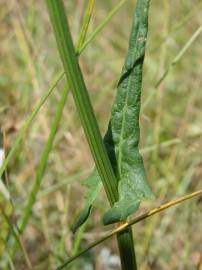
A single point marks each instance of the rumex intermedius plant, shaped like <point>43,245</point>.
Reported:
<point>118,164</point>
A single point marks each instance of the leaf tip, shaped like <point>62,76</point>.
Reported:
<point>81,219</point>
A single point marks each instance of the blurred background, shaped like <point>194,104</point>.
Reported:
<point>171,132</point>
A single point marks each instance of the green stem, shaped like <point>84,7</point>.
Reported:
<point>81,98</point>
<point>88,120</point>
<point>126,249</point>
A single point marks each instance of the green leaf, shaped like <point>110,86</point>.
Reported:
<point>122,137</point>
<point>124,125</point>
<point>94,185</point>
<point>82,218</point>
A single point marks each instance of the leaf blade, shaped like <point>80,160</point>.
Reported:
<point>124,127</point>
<point>123,134</point>
<point>93,184</point>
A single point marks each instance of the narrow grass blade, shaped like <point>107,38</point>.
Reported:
<point>102,24</point>
<point>179,55</point>
<point>172,64</point>
<point>85,24</point>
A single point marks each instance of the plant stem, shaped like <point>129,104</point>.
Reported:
<point>88,120</point>
<point>172,64</point>
<point>126,249</point>
<point>81,98</point>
